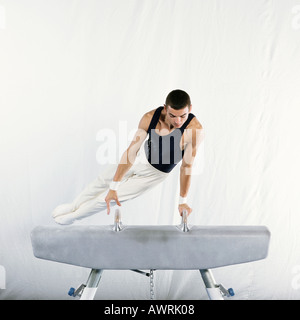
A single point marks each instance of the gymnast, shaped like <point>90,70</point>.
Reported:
<point>174,135</point>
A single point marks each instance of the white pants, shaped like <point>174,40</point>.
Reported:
<point>141,177</point>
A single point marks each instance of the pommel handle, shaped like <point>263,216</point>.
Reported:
<point>184,226</point>
<point>117,223</point>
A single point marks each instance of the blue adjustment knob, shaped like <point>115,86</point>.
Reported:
<point>71,292</point>
<point>231,292</point>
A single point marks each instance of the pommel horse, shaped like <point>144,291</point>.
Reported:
<point>136,248</point>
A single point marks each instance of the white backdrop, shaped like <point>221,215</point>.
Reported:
<point>69,69</point>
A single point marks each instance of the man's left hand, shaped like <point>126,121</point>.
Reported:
<point>184,206</point>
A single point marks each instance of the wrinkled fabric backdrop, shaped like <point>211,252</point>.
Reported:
<point>76,77</point>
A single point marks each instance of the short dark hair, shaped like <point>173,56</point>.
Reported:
<point>178,99</point>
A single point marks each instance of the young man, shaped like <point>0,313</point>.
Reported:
<point>174,135</point>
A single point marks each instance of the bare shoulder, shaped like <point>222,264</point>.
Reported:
<point>194,132</point>
<point>146,119</point>
<point>194,124</point>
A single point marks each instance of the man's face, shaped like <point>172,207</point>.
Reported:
<point>176,117</point>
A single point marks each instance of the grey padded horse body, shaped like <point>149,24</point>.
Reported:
<point>151,247</point>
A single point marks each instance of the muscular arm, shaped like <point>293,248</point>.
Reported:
<point>194,137</point>
<point>128,158</point>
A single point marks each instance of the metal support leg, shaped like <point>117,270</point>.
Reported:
<point>92,285</point>
<point>215,291</point>
<point>212,288</point>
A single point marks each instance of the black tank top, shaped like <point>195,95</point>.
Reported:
<point>164,152</point>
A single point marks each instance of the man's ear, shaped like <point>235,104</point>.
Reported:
<point>190,109</point>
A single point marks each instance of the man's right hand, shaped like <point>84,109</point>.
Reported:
<point>111,195</point>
